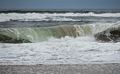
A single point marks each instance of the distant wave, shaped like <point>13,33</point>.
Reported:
<point>51,16</point>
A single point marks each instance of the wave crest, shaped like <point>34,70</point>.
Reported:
<point>51,16</point>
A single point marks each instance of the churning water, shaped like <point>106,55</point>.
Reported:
<point>57,38</point>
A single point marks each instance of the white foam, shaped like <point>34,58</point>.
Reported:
<point>50,16</point>
<point>60,51</point>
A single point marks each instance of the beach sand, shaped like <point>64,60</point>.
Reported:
<point>111,68</point>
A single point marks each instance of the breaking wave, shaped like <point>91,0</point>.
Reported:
<point>37,34</point>
<point>54,42</point>
<point>51,16</point>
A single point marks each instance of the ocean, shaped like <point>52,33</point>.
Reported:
<point>58,36</point>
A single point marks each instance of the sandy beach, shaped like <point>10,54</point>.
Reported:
<point>111,68</point>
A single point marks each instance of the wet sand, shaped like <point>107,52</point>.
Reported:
<point>112,68</point>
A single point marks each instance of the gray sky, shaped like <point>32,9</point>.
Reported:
<point>59,4</point>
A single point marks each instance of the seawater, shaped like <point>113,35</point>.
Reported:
<point>58,38</point>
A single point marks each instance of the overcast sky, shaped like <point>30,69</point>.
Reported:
<point>59,4</point>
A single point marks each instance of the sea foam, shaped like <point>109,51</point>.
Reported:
<point>51,16</point>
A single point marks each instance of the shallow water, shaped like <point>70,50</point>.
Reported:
<point>60,51</point>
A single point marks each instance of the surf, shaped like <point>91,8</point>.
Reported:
<point>51,16</point>
<point>38,34</point>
